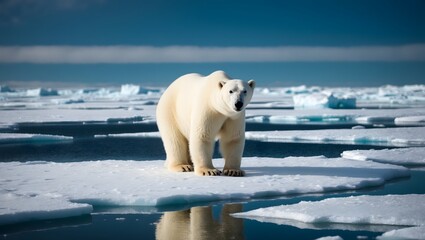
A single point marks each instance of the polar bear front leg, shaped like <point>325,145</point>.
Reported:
<point>201,151</point>
<point>232,143</point>
<point>232,153</point>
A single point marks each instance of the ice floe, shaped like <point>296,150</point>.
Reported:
<point>17,208</point>
<point>72,115</point>
<point>394,210</point>
<point>409,136</point>
<point>399,156</point>
<point>148,183</point>
<point>40,92</point>
<point>22,138</point>
<point>131,89</point>
<point>404,234</point>
<point>399,117</point>
<point>323,100</point>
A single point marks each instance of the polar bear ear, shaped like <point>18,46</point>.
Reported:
<point>251,83</point>
<point>221,84</point>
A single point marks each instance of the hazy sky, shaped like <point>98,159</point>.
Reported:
<point>317,42</point>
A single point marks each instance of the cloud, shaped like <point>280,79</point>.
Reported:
<point>194,54</point>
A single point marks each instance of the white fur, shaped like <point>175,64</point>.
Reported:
<point>193,112</point>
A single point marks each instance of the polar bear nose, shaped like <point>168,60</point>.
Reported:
<point>238,105</point>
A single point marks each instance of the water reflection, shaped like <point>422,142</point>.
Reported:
<point>199,223</point>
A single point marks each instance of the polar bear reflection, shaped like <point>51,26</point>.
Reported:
<point>199,223</point>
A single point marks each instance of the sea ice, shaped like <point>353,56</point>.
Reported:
<point>409,136</point>
<point>399,117</point>
<point>399,156</point>
<point>323,100</point>
<point>72,115</point>
<point>17,208</point>
<point>330,238</point>
<point>21,138</point>
<point>401,210</point>
<point>5,89</point>
<point>410,120</point>
<point>404,234</point>
<point>131,89</point>
<point>41,92</point>
<point>148,183</point>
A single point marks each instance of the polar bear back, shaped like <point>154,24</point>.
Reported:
<point>182,97</point>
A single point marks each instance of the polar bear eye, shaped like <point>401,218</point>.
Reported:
<point>230,91</point>
<point>244,91</point>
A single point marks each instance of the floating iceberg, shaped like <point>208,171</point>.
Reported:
<point>6,89</point>
<point>67,101</point>
<point>130,89</point>
<point>42,92</point>
<point>395,210</point>
<point>148,183</point>
<point>399,156</point>
<point>323,100</point>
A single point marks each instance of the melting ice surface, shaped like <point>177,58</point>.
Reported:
<point>50,190</point>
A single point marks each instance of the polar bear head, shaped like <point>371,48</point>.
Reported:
<point>234,94</point>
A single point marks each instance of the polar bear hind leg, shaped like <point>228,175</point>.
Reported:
<point>176,146</point>
<point>177,150</point>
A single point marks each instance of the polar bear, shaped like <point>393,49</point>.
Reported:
<point>193,112</point>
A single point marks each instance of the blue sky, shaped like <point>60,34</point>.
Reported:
<point>278,43</point>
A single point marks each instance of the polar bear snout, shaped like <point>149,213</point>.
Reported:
<point>238,105</point>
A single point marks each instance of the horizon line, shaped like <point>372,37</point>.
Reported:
<point>124,54</point>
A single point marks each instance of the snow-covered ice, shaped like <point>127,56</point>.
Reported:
<point>381,137</point>
<point>14,138</point>
<point>148,183</point>
<point>73,115</point>
<point>401,210</point>
<point>323,100</point>
<point>398,117</point>
<point>409,136</point>
<point>399,156</point>
<point>404,234</point>
<point>131,89</point>
<point>17,208</point>
<point>41,92</point>
<point>330,238</point>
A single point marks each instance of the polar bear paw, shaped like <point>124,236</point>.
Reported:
<point>182,168</point>
<point>233,172</point>
<point>208,172</point>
